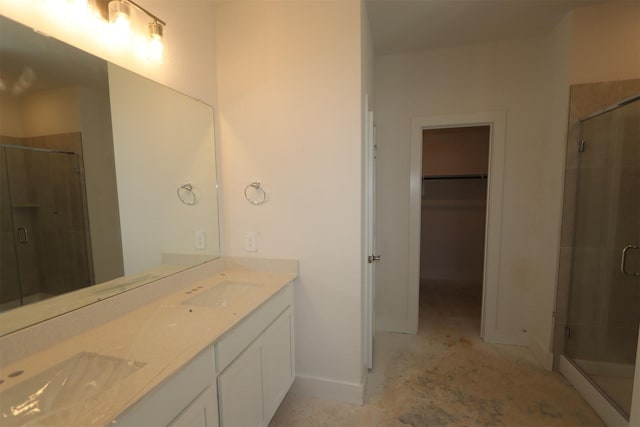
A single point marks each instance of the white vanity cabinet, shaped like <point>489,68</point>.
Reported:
<point>255,364</point>
<point>187,399</point>
<point>202,412</point>
<point>238,381</point>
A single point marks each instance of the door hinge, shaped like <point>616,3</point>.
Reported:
<point>567,332</point>
<point>373,258</point>
<point>581,145</point>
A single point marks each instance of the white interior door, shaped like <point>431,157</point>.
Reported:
<point>370,235</point>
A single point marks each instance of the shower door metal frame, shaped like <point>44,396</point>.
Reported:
<point>566,364</point>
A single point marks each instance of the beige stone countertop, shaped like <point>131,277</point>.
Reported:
<point>165,335</point>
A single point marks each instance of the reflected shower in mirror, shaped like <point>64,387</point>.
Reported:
<point>91,157</point>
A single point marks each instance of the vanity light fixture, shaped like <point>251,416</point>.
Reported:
<point>156,47</point>
<point>120,16</point>
<point>122,24</point>
<point>120,19</point>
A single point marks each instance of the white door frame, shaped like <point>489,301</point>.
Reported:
<point>369,235</point>
<point>493,226</point>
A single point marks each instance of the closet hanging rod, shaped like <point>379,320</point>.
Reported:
<point>467,176</point>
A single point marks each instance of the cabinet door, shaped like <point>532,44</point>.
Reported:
<point>202,412</point>
<point>240,388</point>
<point>277,363</point>
<point>166,403</point>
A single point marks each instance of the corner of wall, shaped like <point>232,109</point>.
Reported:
<point>544,357</point>
<point>329,389</point>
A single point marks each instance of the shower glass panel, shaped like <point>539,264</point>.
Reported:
<point>604,299</point>
<point>44,240</point>
<point>9,284</point>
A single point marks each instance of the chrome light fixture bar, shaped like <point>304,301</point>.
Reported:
<point>119,14</point>
<point>156,20</point>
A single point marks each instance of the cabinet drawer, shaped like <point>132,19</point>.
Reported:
<point>242,335</point>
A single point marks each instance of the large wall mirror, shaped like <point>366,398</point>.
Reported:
<point>107,179</point>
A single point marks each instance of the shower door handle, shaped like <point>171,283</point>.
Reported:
<point>623,266</point>
<point>23,237</point>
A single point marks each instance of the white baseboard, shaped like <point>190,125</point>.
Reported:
<point>544,357</point>
<point>325,388</point>
<point>603,408</point>
<point>504,336</point>
<point>399,326</point>
<point>592,367</point>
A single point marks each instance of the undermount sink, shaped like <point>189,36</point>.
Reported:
<point>54,395</point>
<point>222,295</point>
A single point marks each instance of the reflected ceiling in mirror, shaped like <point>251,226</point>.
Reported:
<point>107,179</point>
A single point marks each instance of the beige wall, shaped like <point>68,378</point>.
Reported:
<point>292,115</point>
<point>532,87</point>
<point>456,151</point>
<point>51,112</point>
<point>605,42</point>
<point>11,123</point>
<point>289,87</point>
<point>100,182</point>
<point>75,109</point>
<point>504,76</point>
<point>550,189</point>
<point>151,162</point>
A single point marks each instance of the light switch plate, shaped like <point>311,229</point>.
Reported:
<point>250,241</point>
<point>201,239</point>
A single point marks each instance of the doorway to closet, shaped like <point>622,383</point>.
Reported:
<point>455,163</point>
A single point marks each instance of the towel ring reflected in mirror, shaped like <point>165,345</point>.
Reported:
<point>187,195</point>
<point>255,194</point>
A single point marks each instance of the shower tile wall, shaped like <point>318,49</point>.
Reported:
<point>580,242</point>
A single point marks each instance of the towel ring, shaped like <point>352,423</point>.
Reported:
<point>187,195</point>
<point>258,196</point>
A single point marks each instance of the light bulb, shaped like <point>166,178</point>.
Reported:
<point>79,4</point>
<point>156,49</point>
<point>156,46</point>
<point>119,13</point>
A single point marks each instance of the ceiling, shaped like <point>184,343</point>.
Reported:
<point>411,25</point>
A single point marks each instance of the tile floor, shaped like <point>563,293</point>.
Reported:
<point>447,376</point>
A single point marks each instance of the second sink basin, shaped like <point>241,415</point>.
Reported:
<point>59,393</point>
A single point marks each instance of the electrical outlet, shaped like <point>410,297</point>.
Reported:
<point>201,239</point>
<point>250,241</point>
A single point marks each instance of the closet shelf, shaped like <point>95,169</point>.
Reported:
<point>459,176</point>
<point>453,203</point>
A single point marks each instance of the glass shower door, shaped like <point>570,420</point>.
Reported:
<point>10,291</point>
<point>604,300</point>
<point>44,238</point>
